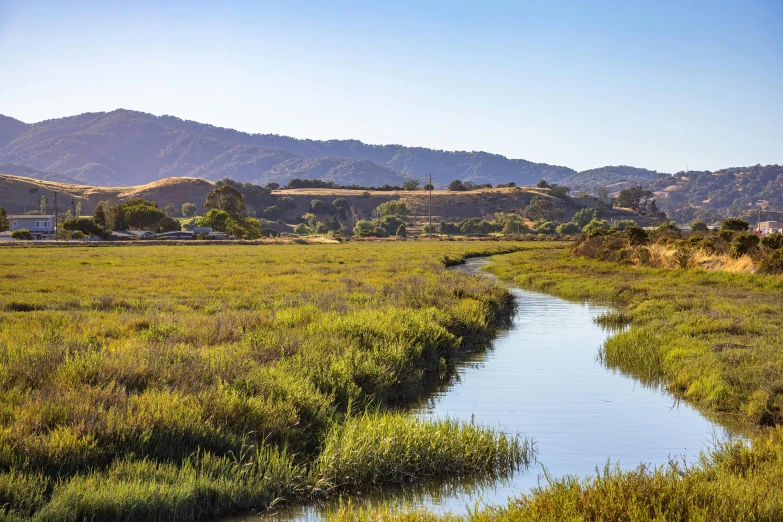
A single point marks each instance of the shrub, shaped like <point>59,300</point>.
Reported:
<point>665,226</point>
<point>393,208</point>
<point>301,229</point>
<point>78,235</point>
<point>622,224</point>
<point>772,263</point>
<point>636,235</point>
<point>743,243</point>
<point>596,224</point>
<point>286,203</point>
<point>772,241</point>
<point>457,186</point>
<point>734,224</point>
<point>402,231</point>
<point>698,226</point>
<point>569,229</point>
<point>363,228</point>
<point>544,227</point>
<point>22,234</point>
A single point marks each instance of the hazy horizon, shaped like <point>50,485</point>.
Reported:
<point>664,86</point>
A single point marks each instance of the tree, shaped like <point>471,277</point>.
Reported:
<point>318,207</point>
<point>541,209</point>
<point>569,229</point>
<point>79,209</point>
<point>272,186</point>
<point>189,210</point>
<point>411,184</point>
<point>428,186</point>
<point>542,184</point>
<point>84,225</point>
<point>216,219</point>
<point>635,198</point>
<point>698,226</point>
<point>584,216</point>
<point>140,214</point>
<point>168,224</point>
<point>99,216</point>
<point>228,199</point>
<point>390,223</point>
<point>636,235</point>
<point>559,191</point>
<point>393,208</point>
<point>43,205</point>
<point>3,220</point>
<point>734,224</point>
<point>743,243</point>
<point>170,210</point>
<point>474,226</point>
<point>402,230</point>
<point>457,186</point>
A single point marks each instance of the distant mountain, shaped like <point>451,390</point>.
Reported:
<point>21,170</point>
<point>594,179</point>
<point>126,148</point>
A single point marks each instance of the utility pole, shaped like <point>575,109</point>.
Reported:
<point>430,205</point>
<point>73,207</point>
<point>55,214</point>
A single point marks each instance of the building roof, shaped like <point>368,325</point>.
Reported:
<point>30,216</point>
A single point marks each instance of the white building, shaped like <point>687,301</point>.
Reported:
<point>770,227</point>
<point>40,226</point>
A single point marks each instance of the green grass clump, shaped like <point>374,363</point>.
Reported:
<point>734,482</point>
<point>132,377</point>
<point>395,448</point>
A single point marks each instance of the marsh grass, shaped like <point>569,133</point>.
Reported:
<point>613,319</point>
<point>132,378</point>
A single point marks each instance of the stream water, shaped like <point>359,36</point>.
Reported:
<point>542,378</point>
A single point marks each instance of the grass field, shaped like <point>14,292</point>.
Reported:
<point>713,338</point>
<point>179,382</point>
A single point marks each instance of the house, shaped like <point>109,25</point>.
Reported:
<point>176,234</point>
<point>202,230</point>
<point>40,226</point>
<point>770,227</point>
<point>127,235</point>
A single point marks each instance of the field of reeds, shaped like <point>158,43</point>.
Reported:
<point>179,382</point>
<point>710,337</point>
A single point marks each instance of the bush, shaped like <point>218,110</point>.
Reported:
<point>569,229</point>
<point>544,227</point>
<point>363,228</point>
<point>772,263</point>
<point>78,235</point>
<point>743,243</point>
<point>595,225</point>
<point>318,207</point>
<point>393,208</point>
<point>85,225</point>
<point>665,226</point>
<point>301,229</point>
<point>286,203</point>
<point>772,241</point>
<point>22,234</point>
<point>698,226</point>
<point>402,231</point>
<point>735,224</point>
<point>637,235</point>
<point>622,224</point>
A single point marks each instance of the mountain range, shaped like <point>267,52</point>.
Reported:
<point>125,148</point>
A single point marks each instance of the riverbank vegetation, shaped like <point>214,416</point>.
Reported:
<point>181,382</point>
<point>710,337</point>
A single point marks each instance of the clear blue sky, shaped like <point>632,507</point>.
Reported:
<point>656,84</point>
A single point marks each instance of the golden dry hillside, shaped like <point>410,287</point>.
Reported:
<point>18,194</point>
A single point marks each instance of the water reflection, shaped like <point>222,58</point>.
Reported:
<point>542,379</point>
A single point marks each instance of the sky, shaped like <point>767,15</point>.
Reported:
<point>665,85</point>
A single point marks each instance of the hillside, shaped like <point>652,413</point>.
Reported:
<point>594,179</point>
<point>18,194</point>
<point>125,147</point>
